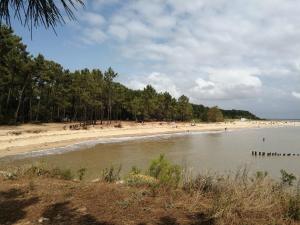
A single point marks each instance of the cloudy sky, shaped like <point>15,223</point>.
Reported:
<point>234,54</point>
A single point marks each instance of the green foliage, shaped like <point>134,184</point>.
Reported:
<point>261,174</point>
<point>34,13</point>
<point>238,114</point>
<point>64,174</point>
<point>287,178</point>
<point>135,170</point>
<point>36,171</point>
<point>214,114</point>
<point>81,173</point>
<point>167,173</point>
<point>111,174</point>
<point>185,109</point>
<point>200,112</point>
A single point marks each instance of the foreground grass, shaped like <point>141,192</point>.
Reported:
<point>164,194</point>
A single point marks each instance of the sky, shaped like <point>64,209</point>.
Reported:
<point>233,54</point>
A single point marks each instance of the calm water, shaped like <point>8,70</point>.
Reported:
<point>220,152</point>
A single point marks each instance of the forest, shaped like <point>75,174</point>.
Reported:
<point>34,89</point>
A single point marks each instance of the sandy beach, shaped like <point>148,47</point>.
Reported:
<point>35,137</point>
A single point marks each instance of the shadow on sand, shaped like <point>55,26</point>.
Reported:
<point>13,204</point>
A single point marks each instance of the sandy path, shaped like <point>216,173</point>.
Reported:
<point>29,137</point>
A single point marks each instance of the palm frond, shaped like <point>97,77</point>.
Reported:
<point>38,12</point>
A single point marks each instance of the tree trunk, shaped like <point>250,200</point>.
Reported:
<point>19,102</point>
<point>30,110</point>
<point>9,91</point>
<point>58,112</point>
<point>38,111</point>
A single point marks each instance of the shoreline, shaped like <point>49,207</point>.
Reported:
<point>107,140</point>
<point>35,140</point>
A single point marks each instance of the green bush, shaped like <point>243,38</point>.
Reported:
<point>56,172</point>
<point>135,170</point>
<point>64,174</point>
<point>81,172</point>
<point>261,175</point>
<point>167,173</point>
<point>111,175</point>
<point>36,171</point>
<point>287,178</point>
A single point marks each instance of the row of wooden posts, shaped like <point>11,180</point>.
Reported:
<point>255,153</point>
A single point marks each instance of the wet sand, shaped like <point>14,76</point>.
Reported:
<point>32,137</point>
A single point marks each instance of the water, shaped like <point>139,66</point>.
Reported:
<point>215,152</point>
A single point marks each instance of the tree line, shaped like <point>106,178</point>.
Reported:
<point>34,89</point>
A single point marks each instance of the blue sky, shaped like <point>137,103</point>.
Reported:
<point>234,54</point>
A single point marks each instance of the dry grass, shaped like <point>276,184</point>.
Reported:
<point>206,199</point>
<point>244,199</point>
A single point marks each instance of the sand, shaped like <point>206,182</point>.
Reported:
<point>32,137</point>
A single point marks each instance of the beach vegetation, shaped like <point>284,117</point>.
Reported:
<point>42,171</point>
<point>111,174</point>
<point>167,173</point>
<point>293,206</point>
<point>65,174</point>
<point>81,173</point>
<point>261,175</point>
<point>287,178</point>
<point>236,198</point>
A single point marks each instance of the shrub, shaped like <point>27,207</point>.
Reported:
<point>81,172</point>
<point>202,183</point>
<point>261,175</point>
<point>287,178</point>
<point>135,170</point>
<point>64,174</point>
<point>167,173</point>
<point>293,210</point>
<point>36,171</point>
<point>111,175</point>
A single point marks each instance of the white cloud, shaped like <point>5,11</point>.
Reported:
<point>93,19</point>
<point>92,36</point>
<point>211,50</point>
<point>161,82</point>
<point>102,3</point>
<point>229,84</point>
<point>296,94</point>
